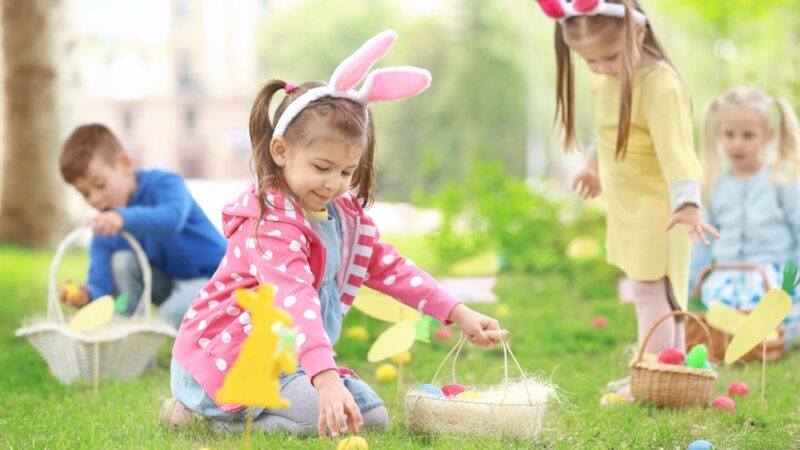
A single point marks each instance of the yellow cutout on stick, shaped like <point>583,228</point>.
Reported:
<point>93,315</point>
<point>398,338</point>
<point>409,325</point>
<point>253,379</point>
<point>768,313</point>
<point>729,320</point>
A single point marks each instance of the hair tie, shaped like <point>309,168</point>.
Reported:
<point>289,88</point>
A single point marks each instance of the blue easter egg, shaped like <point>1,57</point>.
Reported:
<point>432,389</point>
<point>700,445</point>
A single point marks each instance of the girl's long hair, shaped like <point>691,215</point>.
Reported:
<point>565,74</point>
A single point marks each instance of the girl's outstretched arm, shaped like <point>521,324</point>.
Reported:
<point>689,215</point>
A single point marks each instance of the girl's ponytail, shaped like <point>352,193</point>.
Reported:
<point>261,129</point>
<point>787,161</point>
<point>626,81</point>
<point>711,160</point>
<point>565,90</point>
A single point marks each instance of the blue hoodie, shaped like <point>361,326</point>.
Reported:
<point>174,232</point>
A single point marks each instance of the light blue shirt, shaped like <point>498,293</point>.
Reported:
<point>758,222</point>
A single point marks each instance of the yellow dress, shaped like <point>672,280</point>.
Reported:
<point>660,151</point>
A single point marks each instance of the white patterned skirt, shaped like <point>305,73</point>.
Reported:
<point>742,289</point>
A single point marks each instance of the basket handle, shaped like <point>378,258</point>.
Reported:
<point>501,336</point>
<point>712,267</point>
<point>653,327</point>
<point>53,305</point>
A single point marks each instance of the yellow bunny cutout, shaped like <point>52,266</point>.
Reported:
<point>253,379</point>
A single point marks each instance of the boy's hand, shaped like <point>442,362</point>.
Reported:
<point>108,223</point>
<point>587,181</point>
<point>73,295</point>
<point>690,216</point>
<point>335,403</point>
<point>473,324</point>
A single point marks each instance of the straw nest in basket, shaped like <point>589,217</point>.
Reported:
<point>515,409</point>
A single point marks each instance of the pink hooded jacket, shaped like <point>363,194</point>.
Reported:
<point>288,254</point>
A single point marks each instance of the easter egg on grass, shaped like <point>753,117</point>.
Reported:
<point>468,395</point>
<point>451,390</point>
<point>357,332</point>
<point>600,322</point>
<point>431,389</point>
<point>402,356</point>
<point>610,399</point>
<point>700,444</point>
<point>443,333</point>
<point>738,389</point>
<point>385,372</point>
<point>724,404</point>
<point>353,443</point>
<point>697,357</point>
<point>673,355</point>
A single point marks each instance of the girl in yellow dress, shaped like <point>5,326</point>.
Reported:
<point>645,160</point>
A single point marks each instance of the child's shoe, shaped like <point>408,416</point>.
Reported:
<point>174,413</point>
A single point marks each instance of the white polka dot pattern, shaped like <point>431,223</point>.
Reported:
<point>212,304</point>
<point>388,281</point>
<point>301,337</point>
<point>289,301</point>
<point>202,325</point>
<point>225,337</point>
<point>421,306</point>
<point>309,314</point>
<point>294,246</point>
<point>388,259</point>
<point>221,364</point>
<point>416,281</point>
<point>237,252</point>
<point>250,243</point>
<point>253,270</point>
<point>244,318</point>
<point>233,311</point>
<point>190,313</point>
<point>236,277</point>
<point>219,285</point>
<point>202,342</point>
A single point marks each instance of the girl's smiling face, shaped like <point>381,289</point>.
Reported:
<point>319,171</point>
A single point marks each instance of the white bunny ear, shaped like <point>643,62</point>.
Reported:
<point>355,67</point>
<point>394,83</point>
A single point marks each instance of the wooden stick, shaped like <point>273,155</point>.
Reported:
<point>763,373</point>
<point>498,335</point>
<point>248,429</point>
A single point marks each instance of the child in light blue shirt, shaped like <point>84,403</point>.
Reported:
<point>754,201</point>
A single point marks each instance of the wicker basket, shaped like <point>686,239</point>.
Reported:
<point>694,334</point>
<point>514,408</point>
<point>122,348</point>
<point>670,385</point>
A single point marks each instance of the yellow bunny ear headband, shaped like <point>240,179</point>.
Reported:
<point>391,83</point>
<point>562,10</point>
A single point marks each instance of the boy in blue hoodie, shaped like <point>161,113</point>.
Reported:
<point>183,247</point>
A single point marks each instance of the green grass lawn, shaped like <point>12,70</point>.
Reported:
<point>550,317</point>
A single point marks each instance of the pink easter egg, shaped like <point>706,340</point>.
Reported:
<point>738,389</point>
<point>451,390</point>
<point>672,356</point>
<point>600,322</point>
<point>724,404</point>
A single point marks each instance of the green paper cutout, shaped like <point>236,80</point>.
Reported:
<point>121,302</point>
<point>422,330</point>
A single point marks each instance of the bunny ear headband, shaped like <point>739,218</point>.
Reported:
<point>561,10</point>
<point>391,83</point>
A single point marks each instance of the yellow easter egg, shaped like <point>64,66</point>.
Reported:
<point>385,372</point>
<point>650,357</point>
<point>403,356</point>
<point>609,399</point>
<point>468,395</point>
<point>71,292</point>
<point>352,443</point>
<point>357,332</point>
<point>583,247</point>
<point>502,310</point>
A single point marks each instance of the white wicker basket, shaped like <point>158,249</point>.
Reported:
<point>514,408</point>
<point>122,348</point>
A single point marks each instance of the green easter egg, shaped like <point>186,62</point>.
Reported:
<point>697,357</point>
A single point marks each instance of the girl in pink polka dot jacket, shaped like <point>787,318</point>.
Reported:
<point>303,230</point>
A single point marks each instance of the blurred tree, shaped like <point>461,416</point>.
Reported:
<point>477,99</point>
<point>32,208</point>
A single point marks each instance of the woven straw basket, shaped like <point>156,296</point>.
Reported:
<point>122,348</point>
<point>670,385</point>
<point>772,351</point>
<point>514,408</point>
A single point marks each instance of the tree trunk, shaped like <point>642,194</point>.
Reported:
<point>32,197</point>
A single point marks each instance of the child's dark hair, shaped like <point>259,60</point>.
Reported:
<point>565,91</point>
<point>339,115</point>
<point>83,145</point>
